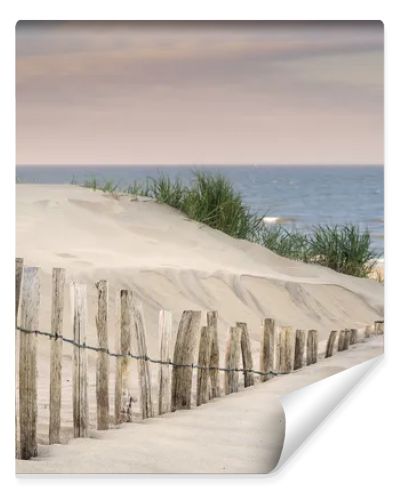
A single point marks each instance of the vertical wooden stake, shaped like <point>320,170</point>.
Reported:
<point>286,349</point>
<point>341,340</point>
<point>212,323</point>
<point>30,300</point>
<point>143,365</point>
<point>299,349</point>
<point>232,356</point>
<point>188,331</point>
<point>102,367</point>
<point>369,331</point>
<point>331,344</point>
<point>204,361</point>
<point>312,347</point>
<point>346,342</point>
<point>56,347</point>
<point>353,336</point>
<point>247,358</point>
<point>123,399</point>
<point>267,348</point>
<point>165,331</point>
<point>379,327</point>
<point>19,266</point>
<point>80,381</point>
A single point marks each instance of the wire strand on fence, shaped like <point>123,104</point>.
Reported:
<point>145,358</point>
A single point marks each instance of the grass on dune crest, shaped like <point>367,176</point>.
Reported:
<point>212,200</point>
<point>345,249</point>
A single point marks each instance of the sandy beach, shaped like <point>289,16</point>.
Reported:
<point>173,263</point>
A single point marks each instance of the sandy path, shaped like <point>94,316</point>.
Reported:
<point>240,433</point>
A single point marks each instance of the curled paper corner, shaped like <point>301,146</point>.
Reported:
<point>306,408</point>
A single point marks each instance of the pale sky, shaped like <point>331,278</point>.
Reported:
<point>199,93</point>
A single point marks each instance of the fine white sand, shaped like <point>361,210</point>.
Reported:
<point>173,263</point>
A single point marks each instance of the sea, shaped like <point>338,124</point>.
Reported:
<point>296,196</point>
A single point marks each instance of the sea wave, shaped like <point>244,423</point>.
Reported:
<point>278,220</point>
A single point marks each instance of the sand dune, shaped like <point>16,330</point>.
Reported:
<point>173,263</point>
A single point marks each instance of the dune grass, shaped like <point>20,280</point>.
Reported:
<point>289,243</point>
<point>345,249</point>
<point>105,186</point>
<point>212,200</point>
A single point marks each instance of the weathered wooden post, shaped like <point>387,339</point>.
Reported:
<point>330,344</point>
<point>247,358</point>
<point>369,331</point>
<point>56,348</point>
<point>353,336</point>
<point>165,331</point>
<point>212,323</point>
<point>341,340</point>
<point>204,362</point>
<point>299,349</point>
<point>19,266</point>
<point>80,381</point>
<point>312,347</point>
<point>286,349</point>
<point>30,300</point>
<point>379,327</point>
<point>142,363</point>
<point>102,367</point>
<point>123,399</point>
<point>182,376</point>
<point>232,356</point>
<point>346,342</point>
<point>268,340</point>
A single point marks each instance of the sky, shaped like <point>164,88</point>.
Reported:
<point>199,92</point>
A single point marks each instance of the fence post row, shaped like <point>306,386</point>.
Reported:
<point>282,349</point>
<point>203,361</point>
<point>80,380</point>
<point>165,331</point>
<point>143,366</point>
<point>102,366</point>
<point>30,297</point>
<point>212,323</point>
<point>56,348</point>
<point>187,335</point>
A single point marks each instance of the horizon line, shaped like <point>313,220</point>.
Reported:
<point>123,165</point>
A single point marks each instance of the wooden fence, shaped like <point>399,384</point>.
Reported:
<point>282,351</point>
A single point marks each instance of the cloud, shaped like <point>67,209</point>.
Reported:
<point>157,70</point>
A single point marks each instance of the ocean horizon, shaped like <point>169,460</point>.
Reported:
<point>300,196</point>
